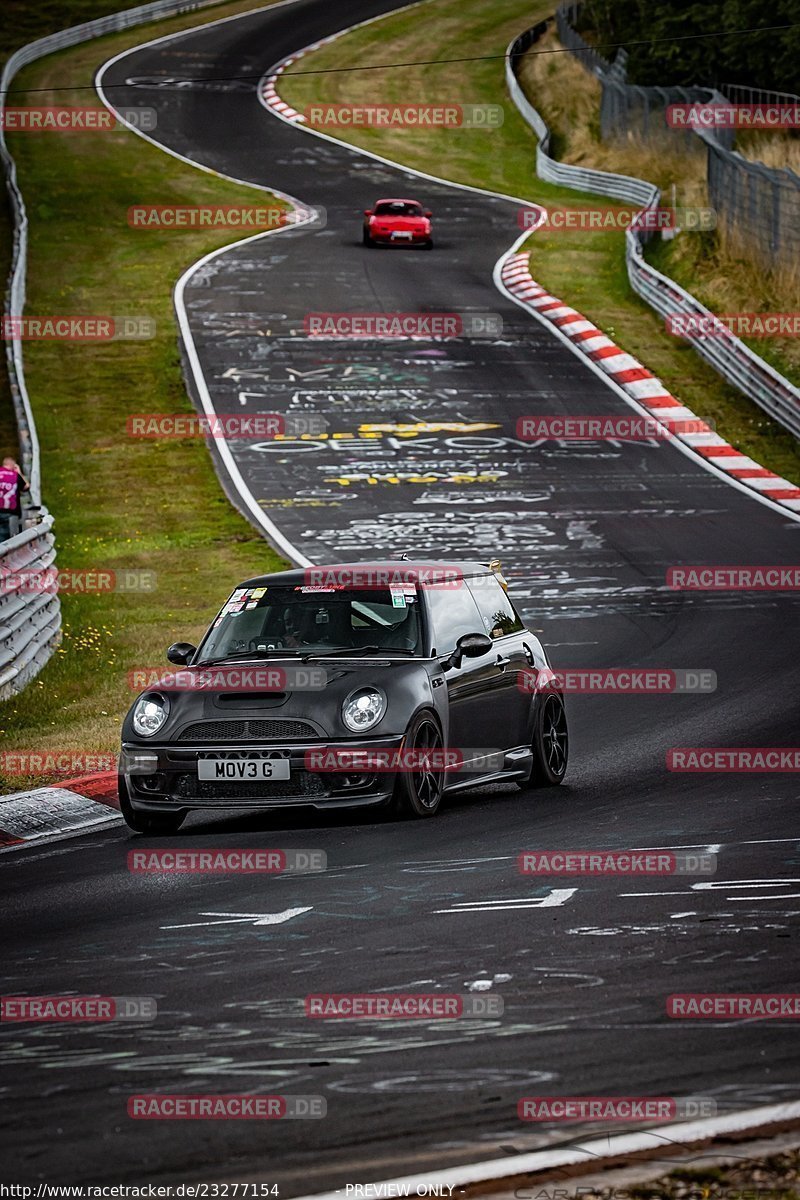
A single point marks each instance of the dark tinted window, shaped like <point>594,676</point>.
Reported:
<point>398,208</point>
<point>497,611</point>
<point>294,619</point>
<point>452,613</point>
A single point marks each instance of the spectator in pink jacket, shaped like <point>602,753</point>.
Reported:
<point>12,484</point>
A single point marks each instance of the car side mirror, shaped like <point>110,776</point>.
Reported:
<point>180,653</point>
<point>367,212</point>
<point>469,645</point>
<point>427,213</point>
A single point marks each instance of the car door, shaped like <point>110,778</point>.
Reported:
<point>475,722</point>
<point>512,655</point>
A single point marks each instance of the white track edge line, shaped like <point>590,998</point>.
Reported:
<point>671,440</point>
<point>590,1152</point>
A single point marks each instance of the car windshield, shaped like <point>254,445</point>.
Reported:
<point>398,208</point>
<point>301,620</point>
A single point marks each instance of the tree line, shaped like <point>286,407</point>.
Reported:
<point>666,55</point>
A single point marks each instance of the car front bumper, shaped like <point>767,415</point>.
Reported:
<point>164,778</point>
<point>386,239</point>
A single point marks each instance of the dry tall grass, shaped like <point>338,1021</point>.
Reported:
<point>717,267</point>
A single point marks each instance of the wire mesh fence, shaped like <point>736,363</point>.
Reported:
<point>726,353</point>
<point>757,206</point>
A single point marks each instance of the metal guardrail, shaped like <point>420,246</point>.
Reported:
<point>726,353</point>
<point>30,620</point>
<point>619,187</point>
<point>30,624</point>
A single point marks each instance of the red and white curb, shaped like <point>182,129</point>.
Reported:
<point>268,90</point>
<point>643,387</point>
<point>61,810</point>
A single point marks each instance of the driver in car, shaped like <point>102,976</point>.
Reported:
<point>325,626</point>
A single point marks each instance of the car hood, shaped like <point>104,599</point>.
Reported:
<point>316,698</point>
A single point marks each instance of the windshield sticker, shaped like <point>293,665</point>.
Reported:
<point>257,593</point>
<point>398,600</point>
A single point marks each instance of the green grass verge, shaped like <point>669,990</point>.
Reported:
<point>720,271</point>
<point>585,269</point>
<point>119,503</point>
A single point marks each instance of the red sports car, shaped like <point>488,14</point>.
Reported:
<point>398,223</point>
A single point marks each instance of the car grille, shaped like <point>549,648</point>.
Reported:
<point>189,787</point>
<point>248,731</point>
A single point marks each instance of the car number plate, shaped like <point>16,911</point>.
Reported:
<point>398,234</point>
<point>257,769</point>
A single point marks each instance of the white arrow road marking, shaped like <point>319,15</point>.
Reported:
<point>725,885</point>
<point>748,885</point>
<point>240,918</point>
<point>555,898</point>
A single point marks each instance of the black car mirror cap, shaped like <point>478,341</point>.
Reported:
<point>469,645</point>
<point>180,653</point>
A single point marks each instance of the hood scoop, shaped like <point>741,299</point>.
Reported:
<point>234,700</point>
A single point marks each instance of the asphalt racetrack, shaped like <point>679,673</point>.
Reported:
<point>586,535</point>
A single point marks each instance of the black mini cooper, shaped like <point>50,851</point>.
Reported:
<point>360,684</point>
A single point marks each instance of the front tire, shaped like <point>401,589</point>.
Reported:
<point>367,240</point>
<point>550,744</point>
<point>428,245</point>
<point>156,824</point>
<point>419,793</point>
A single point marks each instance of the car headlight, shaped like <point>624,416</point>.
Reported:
<point>149,713</point>
<point>363,709</point>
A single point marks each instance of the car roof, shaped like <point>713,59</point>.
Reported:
<point>299,575</point>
